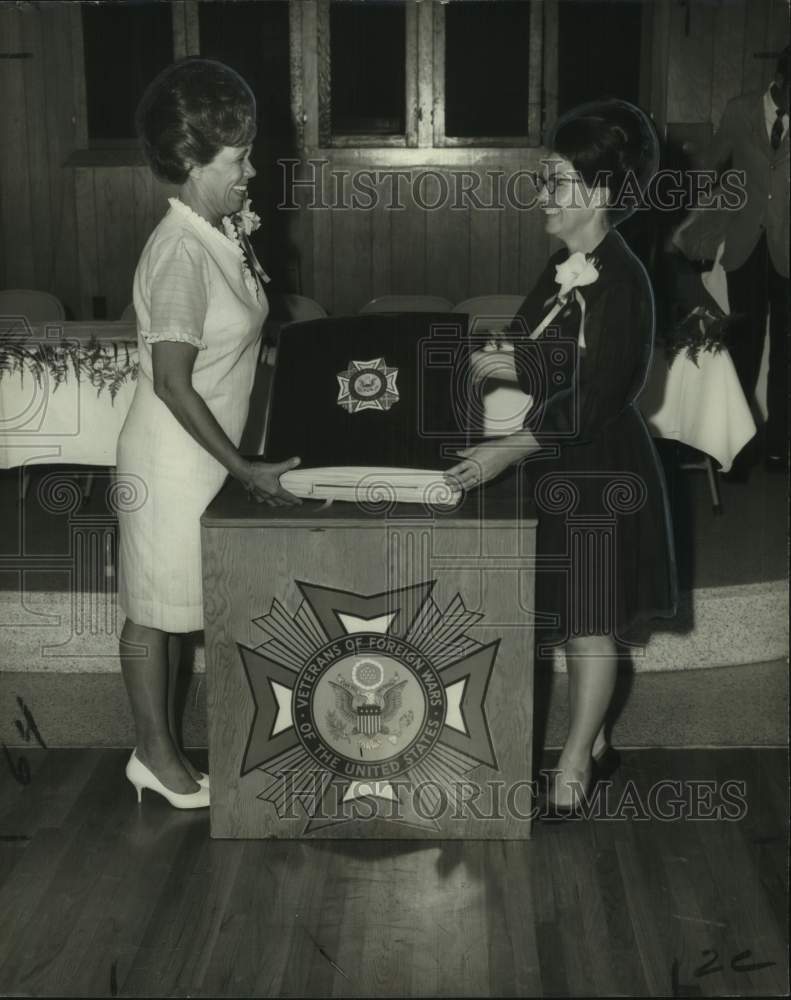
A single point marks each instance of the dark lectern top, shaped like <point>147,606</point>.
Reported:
<point>373,390</point>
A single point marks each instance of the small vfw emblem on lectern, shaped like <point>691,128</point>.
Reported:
<point>367,707</point>
<point>367,385</point>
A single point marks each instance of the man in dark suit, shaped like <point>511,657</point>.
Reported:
<point>753,136</point>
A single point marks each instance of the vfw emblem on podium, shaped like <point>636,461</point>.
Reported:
<point>367,385</point>
<point>368,707</point>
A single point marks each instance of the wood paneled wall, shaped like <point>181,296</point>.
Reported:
<point>117,209</point>
<point>352,255</point>
<point>77,230</point>
<point>709,54</point>
<point>42,120</point>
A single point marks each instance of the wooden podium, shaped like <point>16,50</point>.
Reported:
<point>369,670</point>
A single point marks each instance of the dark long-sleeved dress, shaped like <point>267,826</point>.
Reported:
<point>605,548</point>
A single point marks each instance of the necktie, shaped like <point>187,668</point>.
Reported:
<point>777,130</point>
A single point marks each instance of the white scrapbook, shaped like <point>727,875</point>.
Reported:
<point>372,485</point>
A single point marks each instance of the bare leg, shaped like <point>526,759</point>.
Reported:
<point>174,659</point>
<point>144,664</point>
<point>592,664</point>
<point>600,742</point>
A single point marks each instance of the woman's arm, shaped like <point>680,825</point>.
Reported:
<point>484,461</point>
<point>172,367</point>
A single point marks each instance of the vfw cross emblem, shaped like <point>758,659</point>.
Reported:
<point>367,707</point>
<point>367,385</point>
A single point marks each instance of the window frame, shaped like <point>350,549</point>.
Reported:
<point>536,85</point>
<point>186,42</point>
<point>425,71</point>
<point>424,81</point>
<point>186,29</point>
<point>328,138</point>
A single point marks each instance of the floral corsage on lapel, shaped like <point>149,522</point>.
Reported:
<point>238,228</point>
<point>576,271</point>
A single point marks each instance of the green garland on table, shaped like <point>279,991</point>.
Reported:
<point>105,364</point>
<point>702,329</point>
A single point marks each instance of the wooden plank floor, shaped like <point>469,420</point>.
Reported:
<point>101,898</point>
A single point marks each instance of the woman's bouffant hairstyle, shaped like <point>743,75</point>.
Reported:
<point>611,143</point>
<point>189,112</point>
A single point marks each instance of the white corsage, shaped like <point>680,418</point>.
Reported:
<point>248,220</point>
<point>575,271</point>
<point>231,231</point>
<point>237,228</point>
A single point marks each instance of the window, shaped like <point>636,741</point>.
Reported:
<point>125,46</point>
<point>366,71</point>
<point>403,73</point>
<point>598,51</point>
<point>252,38</point>
<point>367,68</point>
<point>459,72</point>
<point>486,79</point>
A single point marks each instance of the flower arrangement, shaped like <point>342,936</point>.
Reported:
<point>701,329</point>
<point>690,319</point>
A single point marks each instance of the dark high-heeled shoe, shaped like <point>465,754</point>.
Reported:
<point>550,811</point>
<point>605,764</point>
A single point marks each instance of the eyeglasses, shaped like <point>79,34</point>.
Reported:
<point>554,183</point>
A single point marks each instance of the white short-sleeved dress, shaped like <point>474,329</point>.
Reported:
<point>191,285</point>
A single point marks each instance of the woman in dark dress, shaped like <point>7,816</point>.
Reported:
<point>582,345</point>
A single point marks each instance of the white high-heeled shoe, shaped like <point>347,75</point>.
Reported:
<point>203,781</point>
<point>141,777</point>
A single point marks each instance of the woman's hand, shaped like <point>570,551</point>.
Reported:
<point>492,364</point>
<point>262,480</point>
<point>483,462</point>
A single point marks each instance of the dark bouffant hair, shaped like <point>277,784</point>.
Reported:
<point>611,143</point>
<point>189,112</point>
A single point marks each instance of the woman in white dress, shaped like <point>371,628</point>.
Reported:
<point>200,307</point>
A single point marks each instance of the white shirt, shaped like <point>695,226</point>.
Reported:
<point>770,114</point>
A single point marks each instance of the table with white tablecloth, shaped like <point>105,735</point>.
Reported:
<point>65,390</point>
<point>697,401</point>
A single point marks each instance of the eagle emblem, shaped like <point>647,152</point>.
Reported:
<point>367,385</point>
<point>366,706</point>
